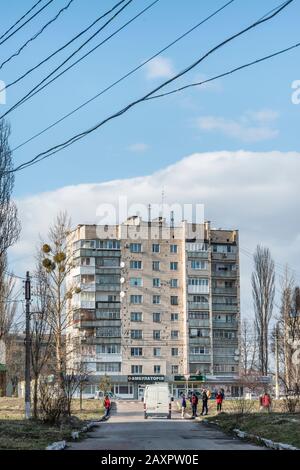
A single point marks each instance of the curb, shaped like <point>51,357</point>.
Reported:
<point>61,445</point>
<point>266,442</point>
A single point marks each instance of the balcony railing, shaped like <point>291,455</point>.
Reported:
<point>200,358</point>
<point>224,307</point>
<point>198,289</point>
<point>222,273</point>
<point>198,305</point>
<point>195,323</point>
<point>224,256</point>
<point>224,290</point>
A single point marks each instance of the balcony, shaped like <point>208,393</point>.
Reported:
<point>224,324</point>
<point>200,358</point>
<point>104,305</point>
<point>199,341</point>
<point>108,287</point>
<point>198,305</point>
<point>224,308</point>
<point>227,274</point>
<point>195,323</point>
<point>197,254</point>
<point>224,256</point>
<point>198,289</point>
<point>224,290</point>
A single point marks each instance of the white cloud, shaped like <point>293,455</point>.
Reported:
<point>160,67</point>
<point>252,126</point>
<point>257,193</point>
<point>138,147</point>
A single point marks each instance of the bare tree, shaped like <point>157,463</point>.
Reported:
<point>9,223</point>
<point>263,291</point>
<point>248,347</point>
<point>8,306</point>
<point>41,335</point>
<point>57,264</point>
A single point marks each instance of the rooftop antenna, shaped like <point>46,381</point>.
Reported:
<point>149,213</point>
<point>162,202</point>
<point>172,219</point>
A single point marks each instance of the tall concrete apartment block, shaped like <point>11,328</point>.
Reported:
<point>157,303</point>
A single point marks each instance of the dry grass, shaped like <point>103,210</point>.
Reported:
<point>19,434</point>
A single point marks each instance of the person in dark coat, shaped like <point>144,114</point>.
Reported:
<point>204,403</point>
<point>194,403</point>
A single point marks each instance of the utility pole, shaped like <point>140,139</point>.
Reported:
<point>276,364</point>
<point>27,347</point>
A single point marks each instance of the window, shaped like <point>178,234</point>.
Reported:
<point>156,334</point>
<point>156,352</point>
<point>173,248</point>
<point>174,282</point>
<point>85,261</point>
<point>136,334</point>
<point>136,316</point>
<point>136,369</point>
<point>108,349</point>
<point>108,244</point>
<point>199,332</point>
<point>224,249</point>
<point>134,264</point>
<point>174,351</point>
<point>156,369</point>
<point>155,248</point>
<point>196,350</point>
<point>87,278</point>
<point>108,367</point>
<point>108,315</point>
<point>136,351</point>
<point>156,282</point>
<point>174,265</point>
<point>174,316</point>
<point>198,264</point>
<point>136,282</point>
<point>108,279</point>
<point>224,334</point>
<point>108,262</point>
<point>156,317</point>
<point>197,281</point>
<point>108,332</point>
<point>155,265</point>
<point>135,247</point>
<point>156,299</point>
<point>198,315</point>
<point>174,334</point>
<point>174,299</point>
<point>174,369</point>
<point>136,299</point>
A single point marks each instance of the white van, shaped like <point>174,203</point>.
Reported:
<point>157,401</point>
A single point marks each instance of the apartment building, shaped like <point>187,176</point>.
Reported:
<point>157,303</point>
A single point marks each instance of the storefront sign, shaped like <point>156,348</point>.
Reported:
<point>191,378</point>
<point>146,378</point>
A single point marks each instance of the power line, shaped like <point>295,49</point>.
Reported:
<point>37,34</point>
<point>26,22</point>
<point>36,90</point>
<point>62,47</point>
<point>132,71</point>
<point>59,147</point>
<point>19,20</point>
<point>249,64</point>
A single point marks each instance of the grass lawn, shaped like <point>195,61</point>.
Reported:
<point>277,426</point>
<point>19,434</point>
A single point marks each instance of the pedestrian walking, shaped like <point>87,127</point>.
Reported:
<point>266,402</point>
<point>194,403</point>
<point>107,406</point>
<point>219,400</point>
<point>183,406</point>
<point>204,403</point>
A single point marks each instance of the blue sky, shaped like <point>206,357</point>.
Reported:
<point>173,143</point>
<point>159,133</point>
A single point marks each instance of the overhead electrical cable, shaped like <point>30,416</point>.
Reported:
<point>70,141</point>
<point>26,22</point>
<point>36,35</point>
<point>20,19</point>
<point>131,72</point>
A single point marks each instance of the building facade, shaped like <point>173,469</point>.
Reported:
<point>157,303</point>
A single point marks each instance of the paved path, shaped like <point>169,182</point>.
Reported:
<point>126,429</point>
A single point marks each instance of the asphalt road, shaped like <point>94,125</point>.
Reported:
<point>126,429</point>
